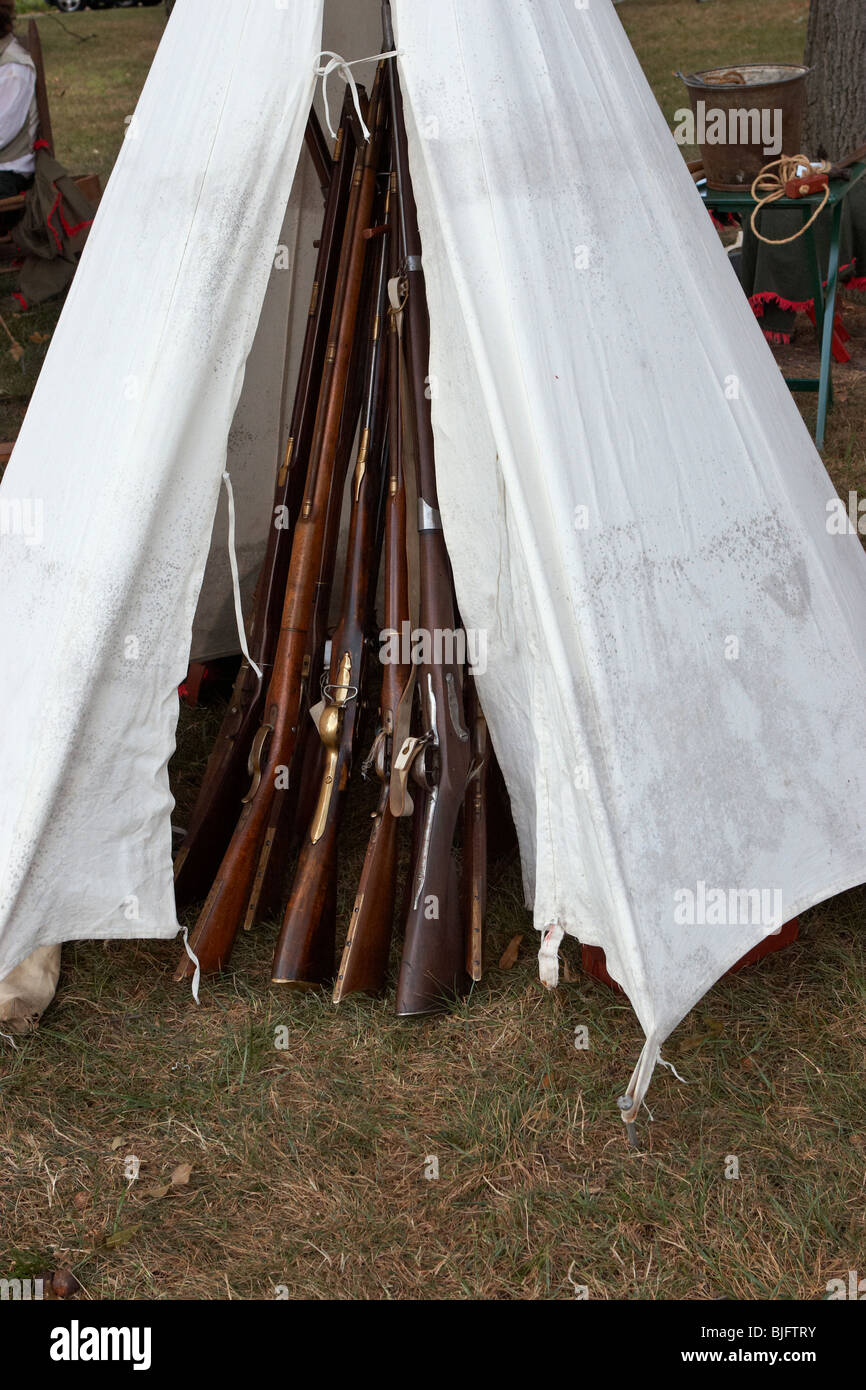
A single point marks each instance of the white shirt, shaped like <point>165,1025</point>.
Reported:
<point>17,85</point>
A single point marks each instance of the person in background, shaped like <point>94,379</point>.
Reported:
<point>19,118</point>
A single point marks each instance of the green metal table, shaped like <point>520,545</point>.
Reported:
<point>741,201</point>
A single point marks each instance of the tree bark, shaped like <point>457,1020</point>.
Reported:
<point>835,116</point>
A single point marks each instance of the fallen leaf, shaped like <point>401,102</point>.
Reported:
<point>153,1194</point>
<point>40,337</point>
<point>81,1201</point>
<point>180,1176</point>
<point>547,1081</point>
<point>16,352</point>
<point>117,1144</point>
<point>122,1237</point>
<point>511,952</point>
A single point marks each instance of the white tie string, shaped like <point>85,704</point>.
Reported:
<point>196,979</point>
<point>338,64</point>
<point>236,583</point>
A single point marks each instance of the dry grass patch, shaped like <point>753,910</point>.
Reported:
<point>308,1162</point>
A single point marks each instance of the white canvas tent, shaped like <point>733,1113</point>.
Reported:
<point>260,427</point>
<point>635,513</point>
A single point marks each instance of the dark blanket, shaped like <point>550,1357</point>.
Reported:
<point>777,278</point>
<point>52,231</point>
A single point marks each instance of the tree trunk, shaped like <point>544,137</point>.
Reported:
<point>835,117</point>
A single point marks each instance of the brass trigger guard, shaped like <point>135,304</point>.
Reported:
<point>254,762</point>
<point>337,695</point>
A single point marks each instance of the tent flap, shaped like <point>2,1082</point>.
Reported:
<point>111,492</point>
<point>676,641</point>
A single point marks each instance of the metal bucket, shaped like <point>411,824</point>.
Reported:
<point>745,116</point>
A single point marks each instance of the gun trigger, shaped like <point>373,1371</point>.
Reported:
<point>375,760</point>
<point>254,762</point>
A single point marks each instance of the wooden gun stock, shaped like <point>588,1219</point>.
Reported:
<point>304,956</point>
<point>274,744</point>
<point>432,969</point>
<point>475,837</point>
<point>292,806</point>
<point>368,938</point>
<point>226,776</point>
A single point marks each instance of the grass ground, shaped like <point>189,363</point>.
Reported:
<point>307,1160</point>
<point>672,36</point>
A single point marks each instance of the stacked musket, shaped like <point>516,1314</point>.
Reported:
<point>271,780</point>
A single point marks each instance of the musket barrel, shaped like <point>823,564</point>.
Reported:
<point>432,969</point>
<point>305,949</point>
<point>364,959</point>
<point>218,923</point>
<point>225,779</point>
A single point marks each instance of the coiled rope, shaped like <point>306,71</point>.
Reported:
<point>769,187</point>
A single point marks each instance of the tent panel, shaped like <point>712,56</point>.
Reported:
<point>676,642</point>
<point>260,429</point>
<point>120,456</point>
